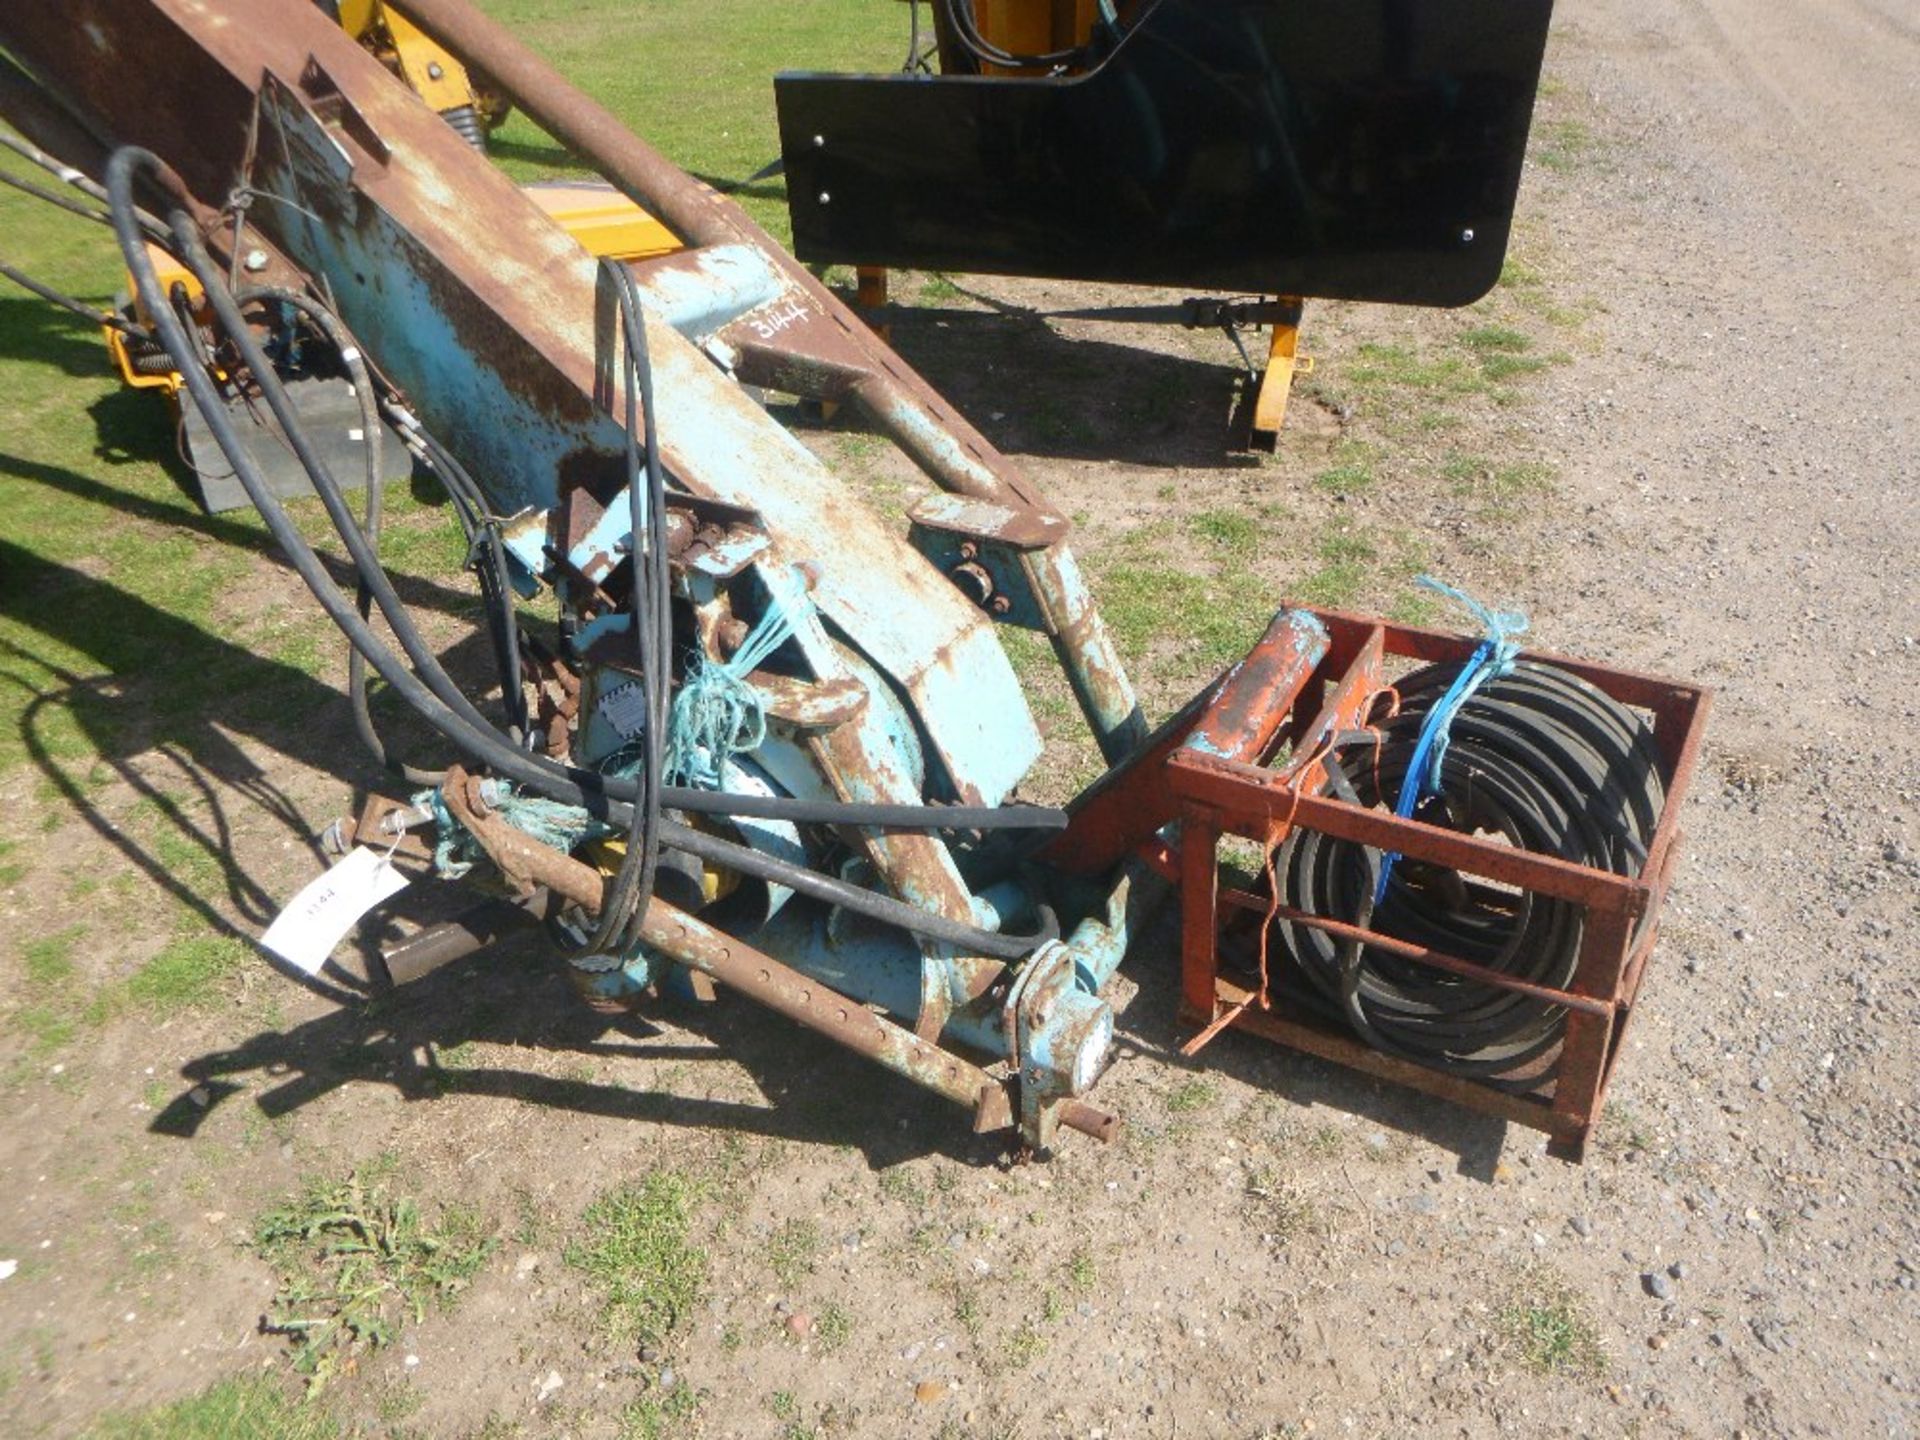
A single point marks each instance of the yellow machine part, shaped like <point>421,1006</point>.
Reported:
<point>607,224</point>
<point>1033,27</point>
<point>170,272</point>
<point>430,70</point>
<point>606,855</point>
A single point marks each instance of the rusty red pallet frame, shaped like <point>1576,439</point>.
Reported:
<point>1218,796</point>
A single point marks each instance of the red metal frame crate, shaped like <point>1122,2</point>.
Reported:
<point>1218,795</point>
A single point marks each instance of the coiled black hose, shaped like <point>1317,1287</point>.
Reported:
<point>1538,758</point>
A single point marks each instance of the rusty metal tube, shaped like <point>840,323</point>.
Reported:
<point>693,210</point>
<point>425,951</point>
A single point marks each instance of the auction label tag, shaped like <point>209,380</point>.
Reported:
<point>625,710</point>
<point>318,918</point>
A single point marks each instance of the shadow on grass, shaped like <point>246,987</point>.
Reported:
<point>31,329</point>
<point>162,714</point>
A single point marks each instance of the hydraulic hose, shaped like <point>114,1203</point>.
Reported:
<point>433,692</point>
<point>477,740</point>
<point>354,362</point>
<point>1536,757</point>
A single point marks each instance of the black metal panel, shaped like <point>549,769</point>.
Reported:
<point>1354,149</point>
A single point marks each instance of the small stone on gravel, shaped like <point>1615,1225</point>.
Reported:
<point>1580,1226</point>
<point>928,1391</point>
<point>799,1325</point>
<point>1658,1285</point>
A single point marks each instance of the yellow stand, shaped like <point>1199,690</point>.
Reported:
<point>1276,382</point>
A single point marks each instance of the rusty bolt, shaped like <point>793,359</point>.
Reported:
<point>969,550</point>
<point>1000,605</point>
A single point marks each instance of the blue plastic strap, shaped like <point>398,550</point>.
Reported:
<point>1492,658</point>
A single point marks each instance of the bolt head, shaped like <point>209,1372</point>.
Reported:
<point>1466,236</point>
<point>256,261</point>
<point>434,72</point>
<point>819,142</point>
<point>825,198</point>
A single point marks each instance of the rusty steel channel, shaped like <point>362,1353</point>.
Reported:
<point>840,358</point>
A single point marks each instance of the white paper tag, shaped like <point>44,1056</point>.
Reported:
<point>625,710</point>
<point>318,918</point>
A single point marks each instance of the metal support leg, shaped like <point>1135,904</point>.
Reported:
<point>1270,404</point>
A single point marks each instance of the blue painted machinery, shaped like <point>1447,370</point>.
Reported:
<point>771,737</point>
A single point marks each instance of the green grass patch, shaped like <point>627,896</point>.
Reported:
<point>1498,488</point>
<point>635,1250</point>
<point>1519,274</point>
<point>355,1261</point>
<point>793,1250</point>
<point>12,871</point>
<point>1351,472</point>
<point>1549,1329</point>
<point>661,1417</point>
<point>1233,534</point>
<point>832,1327</point>
<point>1148,603</point>
<point>1191,1096</point>
<point>1345,568</point>
<point>1496,339</point>
<point>48,961</point>
<point>1379,369</point>
<point>50,1011</point>
<point>1081,1271</point>
<point>937,289</point>
<point>189,974</point>
<point>247,1407</point>
<point>1564,145</point>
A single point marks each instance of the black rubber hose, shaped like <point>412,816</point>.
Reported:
<point>497,592</point>
<point>649,597</point>
<point>813,883</point>
<point>487,746</point>
<point>1535,756</point>
<point>352,360</point>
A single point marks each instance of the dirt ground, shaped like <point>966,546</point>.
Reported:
<point>1722,221</point>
